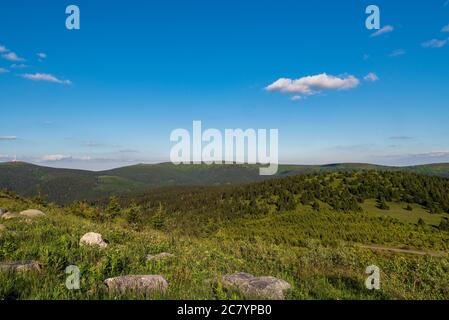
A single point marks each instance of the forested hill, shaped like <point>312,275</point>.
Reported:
<point>67,185</point>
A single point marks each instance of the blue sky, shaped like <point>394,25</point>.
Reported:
<point>110,93</point>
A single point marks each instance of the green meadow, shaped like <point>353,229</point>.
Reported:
<point>309,230</point>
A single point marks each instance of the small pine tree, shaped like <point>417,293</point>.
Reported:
<point>158,218</point>
<point>382,204</point>
<point>421,222</point>
<point>113,209</point>
<point>316,206</point>
<point>409,208</point>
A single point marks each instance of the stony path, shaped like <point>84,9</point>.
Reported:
<point>398,250</point>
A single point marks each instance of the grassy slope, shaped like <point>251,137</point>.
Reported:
<point>315,251</point>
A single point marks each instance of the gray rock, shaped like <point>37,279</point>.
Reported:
<point>160,256</point>
<point>19,266</point>
<point>137,283</point>
<point>263,287</point>
<point>2,211</point>
<point>31,213</point>
<point>93,239</point>
<point>10,215</point>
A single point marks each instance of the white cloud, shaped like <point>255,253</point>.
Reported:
<point>383,30</point>
<point>397,53</point>
<point>3,49</point>
<point>3,70</point>
<point>12,56</point>
<point>311,85</point>
<point>372,77</point>
<point>41,55</point>
<point>445,28</point>
<point>45,77</point>
<point>434,43</point>
<point>8,138</point>
<point>296,98</point>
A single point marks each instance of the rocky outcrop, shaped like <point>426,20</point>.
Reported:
<point>137,283</point>
<point>264,287</point>
<point>10,215</point>
<point>21,266</point>
<point>93,239</point>
<point>160,256</point>
<point>32,213</point>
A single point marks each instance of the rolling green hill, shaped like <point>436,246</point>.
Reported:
<point>67,185</point>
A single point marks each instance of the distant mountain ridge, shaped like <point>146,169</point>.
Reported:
<point>67,185</point>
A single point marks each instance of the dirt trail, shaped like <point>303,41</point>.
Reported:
<point>398,250</point>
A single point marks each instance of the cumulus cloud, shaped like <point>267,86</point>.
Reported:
<point>434,43</point>
<point>41,55</point>
<point>397,53</point>
<point>445,28</point>
<point>383,30</point>
<point>310,85</point>
<point>12,56</point>
<point>371,77</point>
<point>3,70</point>
<point>45,77</point>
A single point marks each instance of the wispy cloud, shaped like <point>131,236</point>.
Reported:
<point>400,138</point>
<point>3,70</point>
<point>12,56</point>
<point>129,151</point>
<point>8,138</point>
<point>93,144</point>
<point>18,66</point>
<point>397,53</point>
<point>3,49</point>
<point>371,77</point>
<point>296,98</point>
<point>445,28</point>
<point>45,77</point>
<point>55,157</point>
<point>434,43</point>
<point>383,30</point>
<point>41,55</point>
<point>311,85</point>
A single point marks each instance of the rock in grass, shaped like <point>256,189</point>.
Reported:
<point>2,227</point>
<point>10,215</point>
<point>137,283</point>
<point>31,213</point>
<point>19,266</point>
<point>264,287</point>
<point>2,211</point>
<point>160,256</point>
<point>93,239</point>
